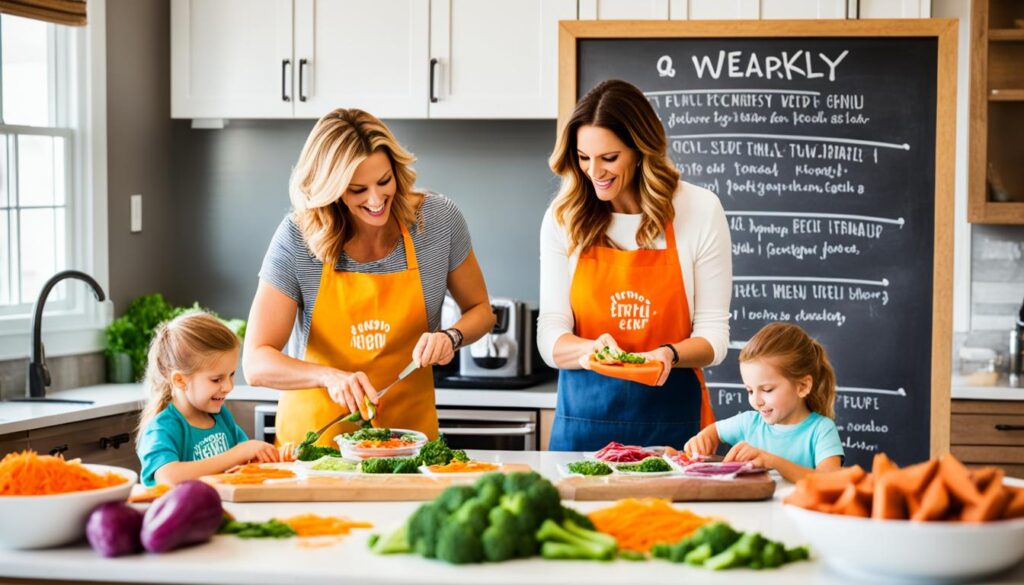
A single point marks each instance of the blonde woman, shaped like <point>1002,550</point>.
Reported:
<point>360,268</point>
<point>632,258</point>
<point>185,431</point>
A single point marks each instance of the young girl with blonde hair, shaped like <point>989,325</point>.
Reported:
<point>185,431</point>
<point>792,389</point>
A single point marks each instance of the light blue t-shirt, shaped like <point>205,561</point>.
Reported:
<point>806,443</point>
<point>169,438</point>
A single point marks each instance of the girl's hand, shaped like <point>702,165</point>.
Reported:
<point>663,355</point>
<point>744,451</point>
<point>348,389</point>
<point>433,348</point>
<point>700,444</point>
<point>257,451</point>
<point>286,452</point>
<point>604,340</point>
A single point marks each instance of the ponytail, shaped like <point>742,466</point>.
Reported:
<point>184,344</point>
<point>796,355</point>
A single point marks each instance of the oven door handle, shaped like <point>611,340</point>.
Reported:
<point>495,431</point>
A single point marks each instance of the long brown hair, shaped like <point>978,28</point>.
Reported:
<point>796,355</point>
<point>338,143</point>
<point>184,344</point>
<point>621,108</point>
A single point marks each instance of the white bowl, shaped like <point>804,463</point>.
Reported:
<point>911,550</point>
<point>350,451</point>
<point>54,520</point>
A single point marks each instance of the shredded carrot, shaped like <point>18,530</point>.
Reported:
<point>314,525</point>
<point>463,467</point>
<point>149,494</point>
<point>253,473</point>
<point>388,444</point>
<point>27,473</point>
<point>640,524</point>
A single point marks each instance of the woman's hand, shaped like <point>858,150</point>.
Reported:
<point>433,348</point>
<point>663,355</point>
<point>257,451</point>
<point>744,451</point>
<point>348,389</point>
<point>604,340</point>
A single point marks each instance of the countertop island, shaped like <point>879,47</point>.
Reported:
<point>230,560</point>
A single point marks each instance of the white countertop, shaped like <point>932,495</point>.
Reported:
<point>962,389</point>
<point>111,399</point>
<point>230,560</point>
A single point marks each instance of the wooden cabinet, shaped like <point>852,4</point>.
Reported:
<point>109,440</point>
<point>996,167</point>
<point>988,432</point>
<point>547,419</point>
<point>495,58</point>
<point>13,442</point>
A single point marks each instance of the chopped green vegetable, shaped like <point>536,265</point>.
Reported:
<point>649,465</point>
<point>395,543</point>
<point>270,529</point>
<point>389,465</point>
<point>568,541</point>
<point>590,468</point>
<point>717,546</point>
<point>334,464</point>
<point>308,451</point>
<point>368,434</point>
<point>606,354</point>
<point>632,555</point>
<point>437,452</point>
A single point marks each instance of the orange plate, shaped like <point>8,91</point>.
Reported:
<point>645,373</point>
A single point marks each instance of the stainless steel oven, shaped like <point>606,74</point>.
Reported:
<point>476,428</point>
<point>497,429</point>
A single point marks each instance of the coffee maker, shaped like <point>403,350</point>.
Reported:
<point>506,351</point>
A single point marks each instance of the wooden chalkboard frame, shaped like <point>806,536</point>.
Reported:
<point>945,33</point>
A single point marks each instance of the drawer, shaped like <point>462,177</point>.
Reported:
<point>13,442</point>
<point>997,407</point>
<point>987,429</point>
<point>108,441</point>
<point>1011,459</point>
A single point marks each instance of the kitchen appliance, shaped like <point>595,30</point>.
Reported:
<point>1017,349</point>
<point>503,352</point>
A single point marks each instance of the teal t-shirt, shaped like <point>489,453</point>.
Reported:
<point>169,438</point>
<point>806,443</point>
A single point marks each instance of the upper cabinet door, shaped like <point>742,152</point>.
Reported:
<point>623,9</point>
<point>495,58</point>
<point>893,9</point>
<point>231,59</point>
<point>757,9</point>
<point>357,54</point>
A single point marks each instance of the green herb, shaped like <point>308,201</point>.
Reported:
<point>334,464</point>
<point>590,468</point>
<point>369,434</point>
<point>606,354</point>
<point>649,465</point>
<point>270,529</point>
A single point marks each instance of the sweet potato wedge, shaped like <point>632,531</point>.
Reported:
<point>983,476</point>
<point>1015,507</point>
<point>990,506</point>
<point>645,373</point>
<point>850,503</point>
<point>934,503</point>
<point>881,464</point>
<point>958,480</point>
<point>831,484</point>
<point>915,478</point>
<point>889,503</point>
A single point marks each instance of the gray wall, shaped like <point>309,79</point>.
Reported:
<point>997,284</point>
<point>230,191</point>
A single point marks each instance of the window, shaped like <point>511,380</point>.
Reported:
<point>52,186</point>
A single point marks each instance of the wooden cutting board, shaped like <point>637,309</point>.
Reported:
<point>349,488</point>
<point>756,486</point>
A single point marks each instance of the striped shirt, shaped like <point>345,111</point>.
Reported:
<point>441,246</point>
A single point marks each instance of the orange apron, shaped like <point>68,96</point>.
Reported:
<point>369,323</point>
<point>639,297</point>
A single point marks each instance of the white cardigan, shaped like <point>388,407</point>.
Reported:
<point>705,255</point>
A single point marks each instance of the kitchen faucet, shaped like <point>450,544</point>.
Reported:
<point>38,373</point>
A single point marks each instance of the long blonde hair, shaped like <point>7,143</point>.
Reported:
<point>338,143</point>
<point>796,355</point>
<point>184,344</point>
<point>621,108</point>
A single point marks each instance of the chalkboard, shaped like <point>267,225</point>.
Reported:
<point>829,152</point>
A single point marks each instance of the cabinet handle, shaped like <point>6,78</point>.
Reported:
<point>1002,427</point>
<point>59,449</point>
<point>116,441</point>
<point>302,69</point>
<point>433,67</point>
<point>284,79</point>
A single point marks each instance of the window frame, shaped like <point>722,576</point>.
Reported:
<point>76,326</point>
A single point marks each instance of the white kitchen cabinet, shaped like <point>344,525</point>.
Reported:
<point>495,58</point>
<point>893,9</point>
<point>231,59</point>
<point>623,9</point>
<point>757,9</point>
<point>358,54</point>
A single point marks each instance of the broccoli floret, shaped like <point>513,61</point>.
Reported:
<point>458,543</point>
<point>437,452</point>
<point>572,542</point>
<point>369,433</point>
<point>590,468</point>
<point>520,481</point>
<point>378,465</point>
<point>739,553</point>
<point>489,489</point>
<point>472,512</point>
<point>522,542</point>
<point>307,450</point>
<point>395,543</point>
<point>518,505</point>
<point>544,500</point>
<point>649,465</point>
<point>698,555</point>
<point>407,465</point>
<point>579,519</point>
<point>718,534</point>
<point>425,526</point>
<point>452,498</point>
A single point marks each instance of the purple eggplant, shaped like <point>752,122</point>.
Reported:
<point>188,514</point>
<point>113,529</point>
